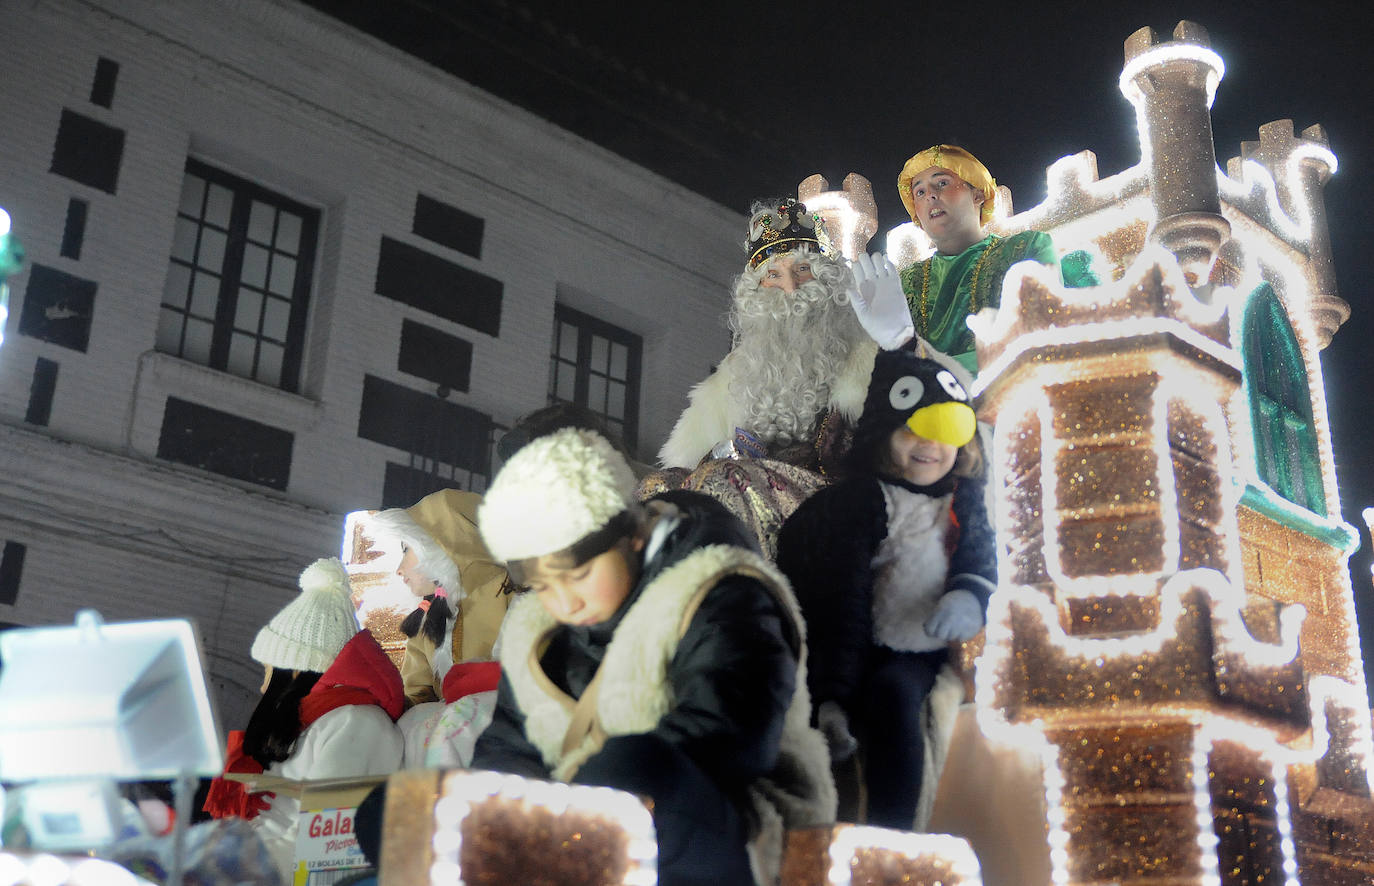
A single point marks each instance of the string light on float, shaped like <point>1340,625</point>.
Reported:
<point>569,833</point>
<point>865,854</point>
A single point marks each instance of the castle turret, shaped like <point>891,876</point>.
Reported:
<point>1172,85</point>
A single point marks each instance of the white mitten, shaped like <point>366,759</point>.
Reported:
<point>833,723</point>
<point>958,616</point>
<point>879,302</point>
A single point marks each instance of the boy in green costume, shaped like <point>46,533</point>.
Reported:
<point>950,195</point>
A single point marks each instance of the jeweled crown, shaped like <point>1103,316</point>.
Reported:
<point>785,227</point>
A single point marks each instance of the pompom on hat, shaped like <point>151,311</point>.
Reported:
<point>554,492</point>
<point>956,160</point>
<point>309,632</point>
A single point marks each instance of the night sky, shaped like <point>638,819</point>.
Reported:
<point>835,90</point>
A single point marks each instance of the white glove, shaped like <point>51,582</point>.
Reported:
<point>833,723</point>
<point>879,302</point>
<point>958,616</point>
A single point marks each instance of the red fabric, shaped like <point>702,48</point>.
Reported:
<point>468,677</point>
<point>363,668</point>
<point>321,701</point>
<point>230,799</point>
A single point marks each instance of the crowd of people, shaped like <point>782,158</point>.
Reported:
<point>764,614</point>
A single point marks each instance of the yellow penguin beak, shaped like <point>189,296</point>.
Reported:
<point>950,422</point>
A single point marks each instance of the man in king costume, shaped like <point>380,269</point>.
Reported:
<point>767,428</point>
<point>950,196</point>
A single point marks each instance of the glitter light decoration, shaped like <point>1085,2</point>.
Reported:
<point>1173,639</point>
<point>869,856</point>
<point>850,215</point>
<point>492,828</point>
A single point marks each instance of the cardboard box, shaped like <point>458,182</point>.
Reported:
<point>326,848</point>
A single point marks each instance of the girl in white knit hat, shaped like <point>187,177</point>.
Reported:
<point>330,701</point>
<point>656,652</point>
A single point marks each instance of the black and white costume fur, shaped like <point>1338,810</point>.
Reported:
<point>870,558</point>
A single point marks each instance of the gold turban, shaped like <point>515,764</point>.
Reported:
<point>956,160</point>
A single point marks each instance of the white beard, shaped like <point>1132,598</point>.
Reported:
<point>789,350</point>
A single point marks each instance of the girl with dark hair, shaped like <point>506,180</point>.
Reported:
<point>330,701</point>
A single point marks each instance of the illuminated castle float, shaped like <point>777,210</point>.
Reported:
<point>1174,637</point>
<point>1175,628</point>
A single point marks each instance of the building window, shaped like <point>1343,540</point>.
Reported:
<point>596,365</point>
<point>1281,404</point>
<point>449,445</point>
<point>239,283</point>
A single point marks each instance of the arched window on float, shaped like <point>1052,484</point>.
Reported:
<point>1280,403</point>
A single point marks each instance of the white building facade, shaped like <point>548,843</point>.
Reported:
<point>279,271</point>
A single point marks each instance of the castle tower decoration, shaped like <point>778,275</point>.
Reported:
<point>1175,627</point>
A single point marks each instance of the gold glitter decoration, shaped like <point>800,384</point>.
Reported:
<point>1339,768</point>
<point>1121,245</point>
<point>507,842</point>
<point>1111,547</point>
<point>1102,410</point>
<point>1026,559</point>
<point>1099,616</point>
<point>883,867</point>
<point>850,214</point>
<point>1099,481</point>
<point>1052,684</point>
<point>1021,486</point>
<point>1199,548</point>
<point>1240,778</point>
<point>1339,850</point>
<point>1190,434</point>
<point>806,859</point>
<point>1198,488</point>
<point>1121,843</point>
<point>1245,814</point>
<point>1125,764</point>
<point>384,623</point>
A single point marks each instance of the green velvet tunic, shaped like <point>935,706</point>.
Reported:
<point>964,284</point>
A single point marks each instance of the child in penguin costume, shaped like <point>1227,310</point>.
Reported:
<point>889,566</point>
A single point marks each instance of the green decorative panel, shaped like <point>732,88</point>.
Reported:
<point>1280,403</point>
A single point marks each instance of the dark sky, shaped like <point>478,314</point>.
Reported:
<point>745,99</point>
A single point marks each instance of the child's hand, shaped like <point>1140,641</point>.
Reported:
<point>958,616</point>
<point>834,725</point>
<point>879,302</point>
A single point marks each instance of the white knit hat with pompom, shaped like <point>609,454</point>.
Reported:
<point>309,632</point>
<point>554,491</point>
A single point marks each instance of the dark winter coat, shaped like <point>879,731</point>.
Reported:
<point>827,548</point>
<point>728,725</point>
